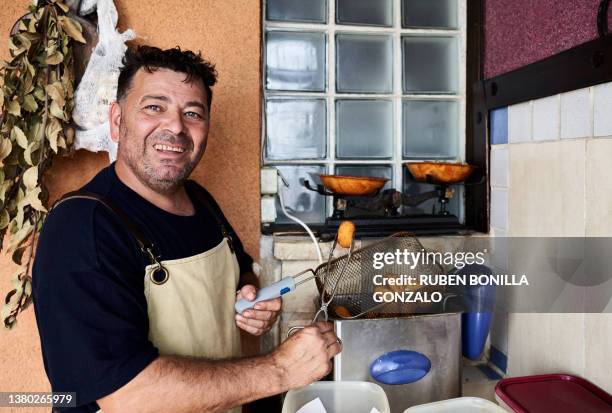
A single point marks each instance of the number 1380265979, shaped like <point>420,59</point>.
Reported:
<point>51,399</point>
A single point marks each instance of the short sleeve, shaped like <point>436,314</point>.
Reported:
<point>89,302</point>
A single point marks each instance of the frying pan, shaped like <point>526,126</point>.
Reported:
<point>352,185</point>
<point>440,172</point>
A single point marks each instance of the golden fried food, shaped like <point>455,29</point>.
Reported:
<point>346,232</point>
<point>342,311</point>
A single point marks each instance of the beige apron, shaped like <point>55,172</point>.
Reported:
<point>191,305</point>
<point>192,313</point>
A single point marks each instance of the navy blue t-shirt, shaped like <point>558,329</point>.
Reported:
<point>88,284</point>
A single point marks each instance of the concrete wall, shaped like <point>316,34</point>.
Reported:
<point>228,33</point>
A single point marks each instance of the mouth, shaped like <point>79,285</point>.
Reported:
<point>169,149</point>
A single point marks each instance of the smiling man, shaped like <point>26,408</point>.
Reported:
<point>136,274</point>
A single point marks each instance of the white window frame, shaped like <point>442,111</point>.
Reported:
<point>331,28</point>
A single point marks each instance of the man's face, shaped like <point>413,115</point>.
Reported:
<point>162,127</point>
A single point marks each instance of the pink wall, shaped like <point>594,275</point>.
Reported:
<point>519,32</point>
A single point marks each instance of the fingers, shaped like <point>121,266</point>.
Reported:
<point>325,331</point>
<point>260,315</point>
<point>334,348</point>
<point>333,344</point>
<point>324,326</point>
<point>249,329</point>
<point>253,322</point>
<point>248,292</point>
<point>253,326</point>
<point>264,310</point>
<point>269,305</point>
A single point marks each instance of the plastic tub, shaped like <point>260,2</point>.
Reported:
<point>339,397</point>
<point>459,405</point>
<point>552,393</point>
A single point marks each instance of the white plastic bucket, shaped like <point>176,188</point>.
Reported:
<point>339,397</point>
<point>459,405</point>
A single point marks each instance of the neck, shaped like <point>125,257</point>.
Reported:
<point>173,200</point>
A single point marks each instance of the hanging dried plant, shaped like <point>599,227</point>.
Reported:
<point>36,102</point>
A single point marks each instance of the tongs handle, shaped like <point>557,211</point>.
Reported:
<point>284,286</point>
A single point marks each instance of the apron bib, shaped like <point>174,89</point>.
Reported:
<point>192,313</point>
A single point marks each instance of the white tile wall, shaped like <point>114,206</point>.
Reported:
<point>499,166</point>
<point>499,249</point>
<point>546,343</point>
<point>546,197</point>
<point>499,208</point>
<point>519,122</point>
<point>558,188</point>
<point>598,342</point>
<point>576,114</point>
<point>598,188</point>
<point>546,118</point>
<point>602,109</point>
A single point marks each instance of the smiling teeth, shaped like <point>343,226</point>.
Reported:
<point>168,148</point>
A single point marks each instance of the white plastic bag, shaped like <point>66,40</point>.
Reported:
<point>87,6</point>
<point>98,87</point>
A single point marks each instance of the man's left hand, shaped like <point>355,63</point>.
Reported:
<point>261,317</point>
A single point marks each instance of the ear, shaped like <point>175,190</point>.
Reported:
<point>114,116</point>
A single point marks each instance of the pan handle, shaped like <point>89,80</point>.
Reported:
<point>319,189</point>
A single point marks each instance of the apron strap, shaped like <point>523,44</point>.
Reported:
<point>196,190</point>
<point>143,243</point>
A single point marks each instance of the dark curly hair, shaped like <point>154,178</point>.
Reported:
<point>152,58</point>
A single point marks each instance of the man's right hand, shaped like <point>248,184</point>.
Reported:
<point>306,356</point>
<point>221,385</point>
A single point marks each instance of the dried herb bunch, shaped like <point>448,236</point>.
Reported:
<point>36,102</point>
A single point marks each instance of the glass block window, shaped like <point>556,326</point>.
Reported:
<point>359,87</point>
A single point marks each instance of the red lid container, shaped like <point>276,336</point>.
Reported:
<point>550,393</point>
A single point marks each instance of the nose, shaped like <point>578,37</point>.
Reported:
<point>174,122</point>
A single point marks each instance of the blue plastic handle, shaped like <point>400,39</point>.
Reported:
<point>284,286</point>
<point>400,367</point>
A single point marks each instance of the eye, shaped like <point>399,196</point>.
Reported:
<point>153,108</point>
<point>193,115</point>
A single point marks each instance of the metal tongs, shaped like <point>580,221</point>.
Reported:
<point>345,236</point>
<point>347,229</point>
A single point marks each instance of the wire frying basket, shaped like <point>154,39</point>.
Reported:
<point>348,285</point>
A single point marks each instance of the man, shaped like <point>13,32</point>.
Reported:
<point>135,276</point>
